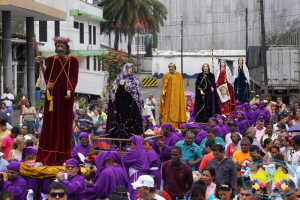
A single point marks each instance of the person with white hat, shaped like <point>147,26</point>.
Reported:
<point>145,188</point>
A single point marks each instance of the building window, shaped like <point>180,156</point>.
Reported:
<point>81,34</point>
<point>90,34</point>
<point>57,28</point>
<point>76,25</point>
<point>94,35</point>
<point>95,63</point>
<point>88,63</point>
<point>43,31</point>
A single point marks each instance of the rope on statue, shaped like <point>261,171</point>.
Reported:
<point>49,96</point>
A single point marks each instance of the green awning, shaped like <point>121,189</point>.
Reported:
<point>76,12</point>
<point>76,53</point>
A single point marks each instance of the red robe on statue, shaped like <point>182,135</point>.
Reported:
<point>228,106</point>
<point>57,131</point>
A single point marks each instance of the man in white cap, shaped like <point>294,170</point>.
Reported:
<point>145,188</point>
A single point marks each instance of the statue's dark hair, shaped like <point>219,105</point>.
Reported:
<point>207,66</point>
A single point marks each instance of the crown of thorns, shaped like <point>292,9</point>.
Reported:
<point>64,40</point>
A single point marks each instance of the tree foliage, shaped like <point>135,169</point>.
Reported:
<point>123,15</point>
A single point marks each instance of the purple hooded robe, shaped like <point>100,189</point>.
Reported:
<point>79,148</point>
<point>75,186</point>
<point>18,186</point>
<point>200,135</point>
<point>169,142</point>
<point>250,113</point>
<point>122,175</point>
<point>30,182</point>
<point>154,161</point>
<point>219,132</point>
<point>137,162</point>
<point>181,135</point>
<point>264,111</point>
<point>243,124</point>
<point>224,127</point>
<point>106,178</point>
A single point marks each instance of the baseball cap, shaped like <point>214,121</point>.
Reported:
<point>1,154</point>
<point>143,181</point>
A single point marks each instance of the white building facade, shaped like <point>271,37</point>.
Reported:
<point>82,27</point>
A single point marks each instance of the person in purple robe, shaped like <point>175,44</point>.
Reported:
<point>223,125</point>
<point>153,153</point>
<point>230,119</point>
<point>238,103</point>
<point>254,107</point>
<point>206,100</point>
<point>146,123</point>
<point>75,183</point>
<point>192,116</point>
<point>106,178</point>
<point>29,153</point>
<point>169,141</point>
<point>184,128</point>
<point>262,112</point>
<point>249,112</point>
<point>124,117</point>
<point>214,123</point>
<point>200,134</point>
<point>83,147</point>
<point>238,108</point>
<point>136,161</point>
<point>122,175</point>
<point>242,122</point>
<point>12,182</point>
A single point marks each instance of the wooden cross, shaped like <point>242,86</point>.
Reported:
<point>38,54</point>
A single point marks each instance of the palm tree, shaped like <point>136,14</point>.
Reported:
<point>124,14</point>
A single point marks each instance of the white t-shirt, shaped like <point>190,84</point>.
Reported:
<point>147,111</point>
<point>75,106</point>
<point>10,96</point>
<point>148,101</point>
<point>295,159</point>
<point>157,197</point>
<point>27,137</point>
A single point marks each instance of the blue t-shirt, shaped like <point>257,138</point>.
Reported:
<point>7,111</point>
<point>40,121</point>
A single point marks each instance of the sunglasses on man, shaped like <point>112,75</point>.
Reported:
<point>59,194</point>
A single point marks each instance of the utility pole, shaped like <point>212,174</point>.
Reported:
<point>246,31</point>
<point>138,47</point>
<point>263,41</point>
<point>181,45</point>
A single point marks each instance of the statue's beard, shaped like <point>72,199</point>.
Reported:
<point>61,54</point>
<point>172,71</point>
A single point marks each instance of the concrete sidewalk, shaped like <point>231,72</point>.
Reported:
<point>15,119</point>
